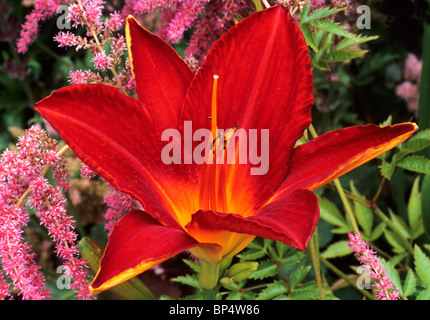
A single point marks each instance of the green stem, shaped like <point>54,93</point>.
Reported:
<point>258,5</point>
<point>346,205</point>
<point>209,274</point>
<point>314,251</point>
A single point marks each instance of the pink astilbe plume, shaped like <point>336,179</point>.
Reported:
<point>22,186</point>
<point>118,204</point>
<point>100,35</point>
<point>43,10</point>
<point>409,89</point>
<point>208,19</point>
<point>384,288</point>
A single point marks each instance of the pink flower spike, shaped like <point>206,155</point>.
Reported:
<point>384,288</point>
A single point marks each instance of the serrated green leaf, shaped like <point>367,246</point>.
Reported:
<point>265,269</point>
<point>333,28</point>
<point>415,163</point>
<point>252,254</point>
<point>282,248</point>
<point>234,296</point>
<point>378,231</point>
<point>310,291</point>
<point>330,213</point>
<point>410,284</point>
<point>337,249</point>
<point>400,224</point>
<point>305,11</point>
<point>272,291</point>
<point>394,241</point>
<point>193,265</point>
<point>422,265</point>
<point>320,14</point>
<point>424,295</point>
<point>344,55</point>
<point>392,274</point>
<point>348,43</point>
<point>298,276</point>
<point>387,169</point>
<point>363,213</point>
<point>309,36</point>
<point>188,280</point>
<point>415,145</point>
<point>422,134</point>
<point>293,257</point>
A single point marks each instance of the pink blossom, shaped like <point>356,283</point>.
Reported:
<point>412,68</point>
<point>118,203</point>
<point>102,61</point>
<point>4,287</point>
<point>21,179</point>
<point>384,288</point>
<point>66,39</point>
<point>43,10</point>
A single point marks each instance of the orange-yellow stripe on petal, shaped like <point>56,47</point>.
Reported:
<point>335,153</point>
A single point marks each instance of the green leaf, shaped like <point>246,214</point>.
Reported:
<point>319,14</point>
<point>394,241</point>
<point>309,36</point>
<point>387,169</point>
<point>298,276</point>
<point>330,213</point>
<point>363,213</point>
<point>415,163</point>
<point>348,43</point>
<point>392,274</point>
<point>252,254</point>
<point>234,296</point>
<point>422,265</point>
<point>414,206</point>
<point>415,144</point>
<point>293,257</point>
<point>400,224</point>
<point>424,295</point>
<point>410,284</point>
<point>337,249</point>
<point>310,291</point>
<point>344,55</point>
<point>378,231</point>
<point>425,204</point>
<point>272,291</point>
<point>334,28</point>
<point>265,269</point>
<point>188,280</point>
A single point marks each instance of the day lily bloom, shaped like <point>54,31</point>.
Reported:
<point>262,81</point>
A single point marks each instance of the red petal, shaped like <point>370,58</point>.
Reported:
<point>137,242</point>
<point>119,138</point>
<point>333,154</point>
<point>162,77</point>
<point>265,82</point>
<point>289,218</point>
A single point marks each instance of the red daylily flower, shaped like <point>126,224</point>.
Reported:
<point>212,210</point>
